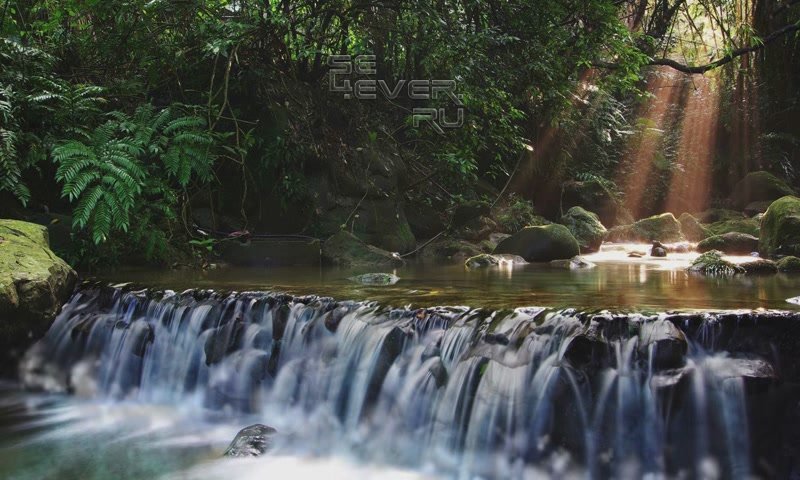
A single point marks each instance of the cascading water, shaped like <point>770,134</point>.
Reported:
<point>467,393</point>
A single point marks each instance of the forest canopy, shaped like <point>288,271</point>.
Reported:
<point>126,116</point>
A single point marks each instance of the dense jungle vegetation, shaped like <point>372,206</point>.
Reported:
<point>129,121</point>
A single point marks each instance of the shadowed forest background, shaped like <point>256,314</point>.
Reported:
<point>145,130</point>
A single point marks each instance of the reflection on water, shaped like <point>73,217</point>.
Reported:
<point>618,282</point>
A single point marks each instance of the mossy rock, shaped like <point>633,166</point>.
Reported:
<point>760,266</point>
<point>749,226</point>
<point>780,228</point>
<point>759,186</point>
<point>586,228</point>
<point>713,215</point>
<point>541,244</point>
<point>692,229</point>
<point>731,243</point>
<point>711,263</point>
<point>790,264</point>
<point>34,283</point>
<point>663,228</point>
<point>346,250</point>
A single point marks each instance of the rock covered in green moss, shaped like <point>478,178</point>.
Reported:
<point>790,264</point>
<point>664,228</point>
<point>780,228</point>
<point>346,250</point>
<point>692,229</point>
<point>541,244</point>
<point>712,263</point>
<point>759,186</point>
<point>713,215</point>
<point>741,225</point>
<point>34,283</point>
<point>585,227</point>
<point>759,266</point>
<point>731,243</point>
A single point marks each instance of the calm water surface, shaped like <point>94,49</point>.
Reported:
<point>617,283</point>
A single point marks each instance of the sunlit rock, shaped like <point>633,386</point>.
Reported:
<point>712,263</point>
<point>664,228</point>
<point>585,227</point>
<point>692,229</point>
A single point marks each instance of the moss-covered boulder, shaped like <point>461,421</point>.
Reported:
<point>346,250</point>
<point>692,229</point>
<point>749,226</point>
<point>760,266</point>
<point>664,228</point>
<point>713,215</point>
<point>34,283</point>
<point>731,243</point>
<point>541,244</point>
<point>711,263</point>
<point>595,195</point>
<point>780,228</point>
<point>758,186</point>
<point>585,227</point>
<point>790,264</point>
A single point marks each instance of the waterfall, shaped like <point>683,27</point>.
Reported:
<point>478,394</point>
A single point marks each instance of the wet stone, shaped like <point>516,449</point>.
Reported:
<point>251,441</point>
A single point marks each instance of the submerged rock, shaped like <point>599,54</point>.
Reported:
<point>574,263</point>
<point>664,228</point>
<point>789,264</point>
<point>541,244</point>
<point>375,279</point>
<point>486,260</point>
<point>759,186</point>
<point>731,243</point>
<point>585,227</point>
<point>345,249</point>
<point>658,250</point>
<point>251,441</point>
<point>712,263</point>
<point>34,283</point>
<point>780,228</point>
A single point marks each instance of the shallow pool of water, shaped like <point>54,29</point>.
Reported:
<point>618,282</point>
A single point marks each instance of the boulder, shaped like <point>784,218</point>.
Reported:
<point>692,229</point>
<point>754,208</point>
<point>780,228</point>
<point>758,186</point>
<point>34,283</point>
<point>664,228</point>
<point>731,243</point>
<point>486,260</point>
<point>760,266</point>
<point>741,225</point>
<point>574,263</point>
<point>585,227</point>
<point>251,441</point>
<point>711,263</point>
<point>789,264</point>
<point>713,215</point>
<point>541,244</point>
<point>346,250</point>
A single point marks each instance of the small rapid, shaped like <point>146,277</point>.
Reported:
<point>459,392</point>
